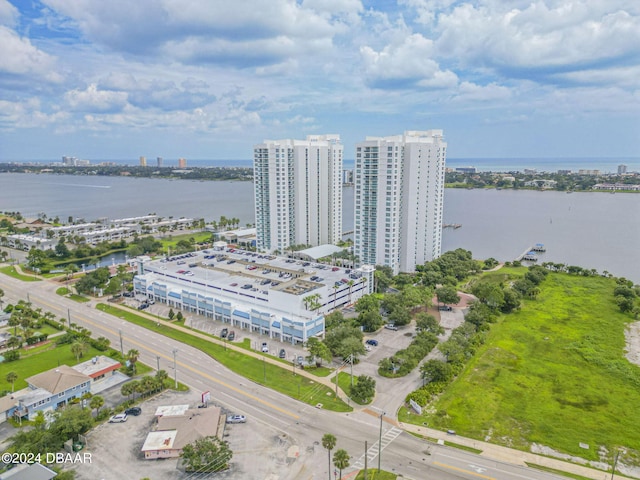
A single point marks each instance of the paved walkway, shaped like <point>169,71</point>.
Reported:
<point>510,455</point>
<point>268,358</point>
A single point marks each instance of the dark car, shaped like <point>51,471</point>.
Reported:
<point>232,336</point>
<point>135,411</point>
<point>127,294</point>
<point>224,332</point>
<point>372,342</point>
<point>445,308</point>
<point>142,306</point>
<point>282,353</point>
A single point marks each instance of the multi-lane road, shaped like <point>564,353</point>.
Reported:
<point>402,453</point>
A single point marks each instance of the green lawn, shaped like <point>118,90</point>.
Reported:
<point>553,373</point>
<point>344,382</point>
<point>557,472</point>
<point>277,378</point>
<point>11,271</point>
<point>62,291</point>
<point>78,298</point>
<point>40,360</point>
<point>199,237</point>
<point>372,474</point>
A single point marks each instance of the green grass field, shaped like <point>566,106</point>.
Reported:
<point>39,360</point>
<point>553,373</point>
<point>11,271</point>
<point>372,474</point>
<point>173,241</point>
<point>277,378</point>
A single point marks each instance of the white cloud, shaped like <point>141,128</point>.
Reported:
<point>249,33</point>
<point>19,57</point>
<point>94,100</point>
<point>485,93</point>
<point>8,14</point>
<point>406,63</point>
<point>541,35</point>
<point>27,114</point>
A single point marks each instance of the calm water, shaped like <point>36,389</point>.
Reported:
<point>594,230</point>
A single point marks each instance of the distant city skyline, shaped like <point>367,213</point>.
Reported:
<point>519,79</point>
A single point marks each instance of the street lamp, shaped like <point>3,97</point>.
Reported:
<point>380,441</point>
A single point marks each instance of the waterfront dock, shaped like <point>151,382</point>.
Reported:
<point>530,254</point>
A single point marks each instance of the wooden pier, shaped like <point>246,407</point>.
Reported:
<point>530,254</point>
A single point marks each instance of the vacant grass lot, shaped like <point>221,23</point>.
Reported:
<point>12,272</point>
<point>39,360</point>
<point>553,373</point>
<point>278,378</point>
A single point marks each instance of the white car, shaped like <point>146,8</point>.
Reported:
<point>265,347</point>
<point>119,418</point>
<point>236,419</point>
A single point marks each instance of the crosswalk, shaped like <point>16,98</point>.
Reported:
<point>375,449</point>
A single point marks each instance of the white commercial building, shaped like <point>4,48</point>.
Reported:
<point>298,192</point>
<point>283,298</point>
<point>399,196</point>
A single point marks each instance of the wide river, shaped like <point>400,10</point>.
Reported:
<point>593,230</point>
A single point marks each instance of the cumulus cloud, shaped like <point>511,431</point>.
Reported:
<point>543,36</point>
<point>249,33</point>
<point>27,113</point>
<point>405,63</point>
<point>19,57</point>
<point>94,100</point>
<point>8,14</point>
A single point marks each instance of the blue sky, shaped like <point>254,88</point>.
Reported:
<point>207,79</point>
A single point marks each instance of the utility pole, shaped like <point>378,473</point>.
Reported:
<point>615,462</point>
<point>158,360</point>
<point>264,369</point>
<point>365,460</point>
<point>380,444</point>
<point>69,317</point>
<point>121,348</point>
<point>351,361</point>
<point>175,368</point>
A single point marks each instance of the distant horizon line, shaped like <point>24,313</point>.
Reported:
<point>151,160</point>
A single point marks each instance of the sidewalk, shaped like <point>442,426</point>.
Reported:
<point>268,358</point>
<point>502,454</point>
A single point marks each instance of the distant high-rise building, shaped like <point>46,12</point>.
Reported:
<point>143,161</point>
<point>467,169</point>
<point>399,197</point>
<point>159,161</point>
<point>69,161</point>
<point>182,163</point>
<point>622,169</point>
<point>298,192</point>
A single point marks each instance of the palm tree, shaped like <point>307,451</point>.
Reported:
<point>12,377</point>
<point>341,460</point>
<point>98,401</point>
<point>128,389</point>
<point>132,356</point>
<point>350,283</point>
<point>329,442</point>
<point>14,342</point>
<point>79,348</point>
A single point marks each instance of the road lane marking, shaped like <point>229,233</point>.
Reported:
<point>451,467</point>
<point>193,370</point>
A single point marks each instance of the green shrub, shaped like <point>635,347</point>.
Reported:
<point>11,356</point>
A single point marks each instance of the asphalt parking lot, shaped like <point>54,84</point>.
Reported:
<point>214,327</point>
<point>116,448</point>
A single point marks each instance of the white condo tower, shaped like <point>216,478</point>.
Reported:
<point>399,196</point>
<point>298,192</point>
